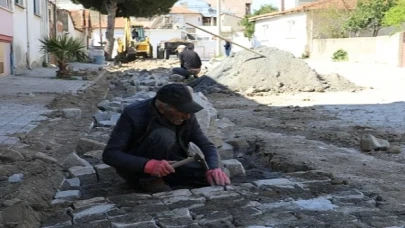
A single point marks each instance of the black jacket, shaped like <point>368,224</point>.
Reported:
<point>135,122</point>
<point>189,59</point>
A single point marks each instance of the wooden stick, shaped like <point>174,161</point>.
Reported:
<point>223,38</point>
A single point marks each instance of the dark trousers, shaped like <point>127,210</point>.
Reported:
<point>185,72</point>
<point>161,144</point>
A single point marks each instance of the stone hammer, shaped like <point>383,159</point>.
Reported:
<point>197,156</point>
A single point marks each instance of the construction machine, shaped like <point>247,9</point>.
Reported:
<point>135,43</point>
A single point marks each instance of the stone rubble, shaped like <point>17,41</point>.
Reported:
<point>93,195</point>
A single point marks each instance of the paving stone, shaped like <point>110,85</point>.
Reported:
<point>226,195</point>
<point>70,184</point>
<point>245,189</point>
<point>267,220</point>
<point>226,151</point>
<point>150,224</point>
<point>175,193</point>
<point>188,202</point>
<point>106,173</point>
<point>125,200</point>
<point>87,175</point>
<point>240,145</point>
<point>59,218</point>
<point>96,154</point>
<point>16,178</point>
<point>68,195</point>
<point>235,167</point>
<point>267,207</point>
<point>89,202</point>
<point>97,212</point>
<point>131,220</point>
<point>45,158</point>
<point>206,217</point>
<point>102,116</point>
<point>151,207</point>
<point>279,182</point>
<point>74,160</point>
<point>317,204</point>
<point>226,127</point>
<point>72,113</point>
<point>116,212</point>
<point>207,191</point>
<point>176,217</point>
<point>104,223</point>
<point>85,145</point>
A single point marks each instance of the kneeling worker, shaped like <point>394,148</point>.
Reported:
<point>190,62</point>
<point>150,135</point>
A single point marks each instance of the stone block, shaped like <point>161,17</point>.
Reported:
<point>102,116</point>
<point>72,113</point>
<point>89,202</point>
<point>278,182</point>
<point>226,127</point>
<point>87,175</point>
<point>207,191</point>
<point>188,202</point>
<point>240,145</point>
<point>74,160</point>
<point>97,212</point>
<point>316,204</point>
<point>226,151</point>
<point>70,184</point>
<point>68,195</point>
<point>106,173</point>
<point>16,178</point>
<point>96,154</point>
<point>235,167</point>
<point>148,82</point>
<point>149,224</point>
<point>176,78</point>
<point>175,218</point>
<point>138,219</point>
<point>45,158</point>
<point>175,193</point>
<point>369,143</point>
<point>85,145</point>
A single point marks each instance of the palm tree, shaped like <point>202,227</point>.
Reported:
<point>65,49</point>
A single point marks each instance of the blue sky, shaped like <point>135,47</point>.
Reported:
<point>277,3</point>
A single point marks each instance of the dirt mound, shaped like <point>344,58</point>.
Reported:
<point>280,71</point>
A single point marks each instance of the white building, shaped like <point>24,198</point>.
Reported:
<point>31,23</point>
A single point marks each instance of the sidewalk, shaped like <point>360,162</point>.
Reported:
<point>23,98</point>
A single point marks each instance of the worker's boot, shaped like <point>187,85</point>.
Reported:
<point>154,185</point>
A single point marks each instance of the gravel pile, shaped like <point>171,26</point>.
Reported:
<point>279,72</point>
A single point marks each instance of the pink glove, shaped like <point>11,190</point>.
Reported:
<point>217,177</point>
<point>158,168</point>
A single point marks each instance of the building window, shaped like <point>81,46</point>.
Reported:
<point>248,8</point>
<point>37,7</point>
<point>5,4</point>
<point>19,2</point>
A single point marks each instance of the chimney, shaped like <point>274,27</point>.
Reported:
<point>282,6</point>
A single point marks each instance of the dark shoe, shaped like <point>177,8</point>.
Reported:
<point>154,185</point>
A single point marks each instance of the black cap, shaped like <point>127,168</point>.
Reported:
<point>180,97</point>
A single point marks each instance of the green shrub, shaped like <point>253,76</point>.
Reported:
<point>340,55</point>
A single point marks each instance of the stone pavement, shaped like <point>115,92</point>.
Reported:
<point>20,109</point>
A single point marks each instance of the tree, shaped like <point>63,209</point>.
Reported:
<point>250,26</point>
<point>125,8</point>
<point>396,15</point>
<point>65,49</point>
<point>369,14</point>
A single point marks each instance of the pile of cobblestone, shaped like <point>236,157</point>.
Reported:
<point>93,195</point>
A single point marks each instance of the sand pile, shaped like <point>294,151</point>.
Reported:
<point>279,72</point>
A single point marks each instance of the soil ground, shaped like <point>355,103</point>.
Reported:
<point>288,132</point>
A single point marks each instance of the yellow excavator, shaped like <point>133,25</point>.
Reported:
<point>135,43</point>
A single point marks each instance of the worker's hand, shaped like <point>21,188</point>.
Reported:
<point>217,177</point>
<point>158,168</point>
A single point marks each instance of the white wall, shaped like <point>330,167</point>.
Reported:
<point>381,49</point>
<point>240,38</point>
<point>158,35</point>
<point>287,32</point>
<point>95,37</point>
<point>38,27</point>
<point>76,33</point>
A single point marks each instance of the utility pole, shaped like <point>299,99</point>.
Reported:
<point>219,49</point>
<point>282,6</point>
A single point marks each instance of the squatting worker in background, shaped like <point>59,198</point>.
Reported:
<point>190,62</point>
<point>150,135</point>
